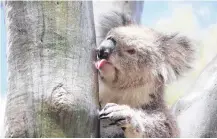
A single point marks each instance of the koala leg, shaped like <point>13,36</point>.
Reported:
<point>124,117</point>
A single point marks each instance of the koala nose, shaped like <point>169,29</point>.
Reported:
<point>103,53</point>
<point>105,49</point>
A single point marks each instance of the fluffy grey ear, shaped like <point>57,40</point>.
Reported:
<point>178,53</point>
<point>112,20</point>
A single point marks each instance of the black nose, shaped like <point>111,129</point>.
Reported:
<point>103,53</point>
<point>105,49</point>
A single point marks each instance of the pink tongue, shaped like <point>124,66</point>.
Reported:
<point>100,63</point>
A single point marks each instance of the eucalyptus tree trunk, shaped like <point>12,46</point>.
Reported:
<point>52,85</point>
<point>197,111</point>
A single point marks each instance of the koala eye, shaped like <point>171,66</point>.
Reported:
<point>131,51</point>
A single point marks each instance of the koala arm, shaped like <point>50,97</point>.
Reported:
<point>137,122</point>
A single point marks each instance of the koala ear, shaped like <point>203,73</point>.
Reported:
<point>112,20</point>
<point>178,53</point>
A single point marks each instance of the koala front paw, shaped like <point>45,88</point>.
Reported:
<point>120,115</point>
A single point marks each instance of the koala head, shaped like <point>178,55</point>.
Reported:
<point>131,56</point>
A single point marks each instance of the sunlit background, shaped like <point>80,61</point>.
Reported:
<point>198,20</point>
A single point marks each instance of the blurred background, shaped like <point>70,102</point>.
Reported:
<point>196,20</point>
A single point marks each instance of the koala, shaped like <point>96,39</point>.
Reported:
<point>134,65</point>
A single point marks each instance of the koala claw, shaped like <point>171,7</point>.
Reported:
<point>120,115</point>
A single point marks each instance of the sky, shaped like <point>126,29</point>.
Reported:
<point>3,53</point>
<point>3,69</point>
<point>197,20</point>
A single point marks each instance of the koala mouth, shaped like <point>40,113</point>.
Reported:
<point>99,64</point>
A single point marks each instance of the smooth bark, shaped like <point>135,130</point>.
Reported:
<point>52,85</point>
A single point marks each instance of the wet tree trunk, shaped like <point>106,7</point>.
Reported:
<point>52,87</point>
<point>196,111</point>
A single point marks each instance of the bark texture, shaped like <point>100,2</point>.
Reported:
<point>52,84</point>
<point>196,112</point>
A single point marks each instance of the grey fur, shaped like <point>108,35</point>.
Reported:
<point>112,20</point>
<point>135,82</point>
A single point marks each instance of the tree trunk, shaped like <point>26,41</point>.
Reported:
<point>196,112</point>
<point>52,84</point>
